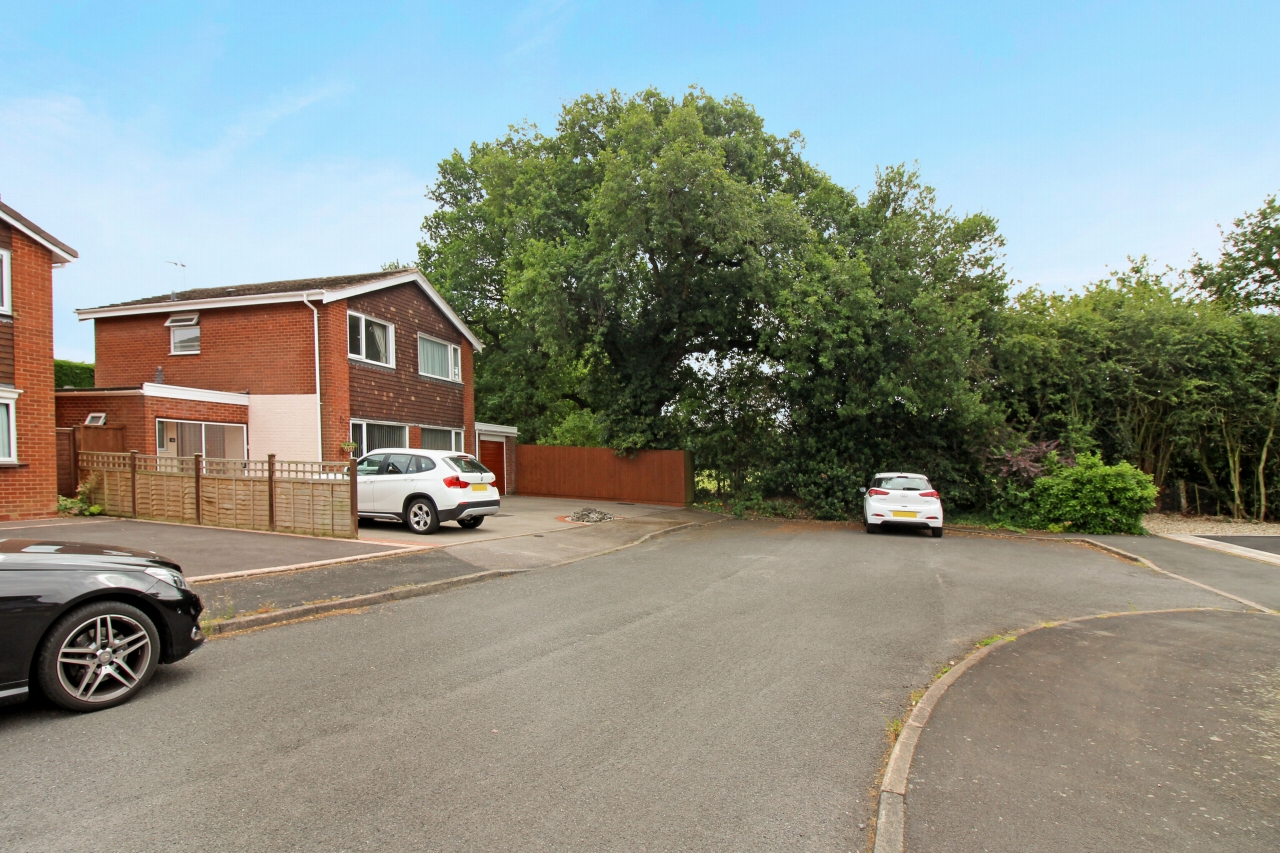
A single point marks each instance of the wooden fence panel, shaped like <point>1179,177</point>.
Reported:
<point>305,497</point>
<point>596,473</point>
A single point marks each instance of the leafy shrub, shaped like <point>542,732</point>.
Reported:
<point>1091,498</point>
<point>82,503</point>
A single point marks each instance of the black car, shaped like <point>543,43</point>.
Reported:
<point>89,623</point>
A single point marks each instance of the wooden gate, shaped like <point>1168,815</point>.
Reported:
<point>71,440</point>
<point>66,453</point>
<point>313,498</point>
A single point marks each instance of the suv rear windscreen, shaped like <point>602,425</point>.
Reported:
<point>902,484</point>
<point>466,465</point>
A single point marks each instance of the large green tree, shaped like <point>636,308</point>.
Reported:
<point>600,262</point>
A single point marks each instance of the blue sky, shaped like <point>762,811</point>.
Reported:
<point>257,141</point>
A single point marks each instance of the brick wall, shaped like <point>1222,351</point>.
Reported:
<point>402,395</point>
<point>469,400</point>
<point>30,490</point>
<point>335,380</point>
<point>137,414</point>
<point>510,458</point>
<point>127,411</point>
<point>189,410</point>
<point>262,349</point>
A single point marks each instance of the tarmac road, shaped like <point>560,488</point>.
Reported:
<point>1151,732</point>
<point>723,688</point>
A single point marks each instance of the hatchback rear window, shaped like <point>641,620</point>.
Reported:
<point>902,484</point>
<point>466,465</point>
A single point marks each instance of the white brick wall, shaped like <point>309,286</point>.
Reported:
<point>283,424</point>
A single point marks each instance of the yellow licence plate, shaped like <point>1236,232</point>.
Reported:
<point>481,487</point>
<point>900,514</point>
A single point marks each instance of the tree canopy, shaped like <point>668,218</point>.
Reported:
<point>663,272</point>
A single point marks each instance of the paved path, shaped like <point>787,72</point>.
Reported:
<point>722,688</point>
<point>1270,544</point>
<point>1150,732</point>
<point>1250,579</point>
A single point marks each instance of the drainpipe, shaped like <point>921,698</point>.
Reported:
<point>315,339</point>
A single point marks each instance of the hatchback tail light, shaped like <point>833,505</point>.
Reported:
<point>877,492</point>
<point>929,494</point>
<point>455,482</point>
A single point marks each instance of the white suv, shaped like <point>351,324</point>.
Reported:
<point>898,498</point>
<point>425,487</point>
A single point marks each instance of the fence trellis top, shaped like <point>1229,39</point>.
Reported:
<point>284,470</point>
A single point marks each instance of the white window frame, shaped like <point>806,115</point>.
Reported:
<point>9,400</point>
<point>95,419</point>
<point>391,341</point>
<point>203,424</point>
<point>6,281</point>
<point>364,435</point>
<point>183,321</point>
<point>454,359</point>
<point>456,433</point>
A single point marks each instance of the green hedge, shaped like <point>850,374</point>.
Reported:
<point>76,374</point>
<point>1091,497</point>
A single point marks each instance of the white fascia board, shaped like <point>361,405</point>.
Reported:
<point>199,395</point>
<point>94,392</point>
<point>408,276</point>
<point>187,306</point>
<point>59,256</point>
<point>497,429</point>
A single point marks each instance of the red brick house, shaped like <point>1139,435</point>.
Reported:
<point>28,462</point>
<point>294,368</point>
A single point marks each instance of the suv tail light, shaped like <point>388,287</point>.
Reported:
<point>877,492</point>
<point>455,482</point>
<point>929,494</point>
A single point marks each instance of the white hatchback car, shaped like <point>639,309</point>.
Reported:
<point>425,487</point>
<point>898,498</point>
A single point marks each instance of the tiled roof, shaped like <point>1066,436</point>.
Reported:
<point>16,218</point>
<point>297,285</point>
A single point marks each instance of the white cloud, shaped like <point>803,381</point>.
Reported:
<point>112,189</point>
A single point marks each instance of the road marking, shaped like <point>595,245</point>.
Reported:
<point>317,564</point>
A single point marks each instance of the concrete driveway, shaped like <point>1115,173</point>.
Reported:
<point>722,688</point>
<point>520,516</point>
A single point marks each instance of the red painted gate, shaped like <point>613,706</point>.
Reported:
<point>493,455</point>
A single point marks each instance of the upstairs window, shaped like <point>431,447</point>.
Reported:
<point>370,340</point>
<point>184,334</point>
<point>439,359</point>
<point>6,281</point>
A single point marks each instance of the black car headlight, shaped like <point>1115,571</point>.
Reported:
<point>169,576</point>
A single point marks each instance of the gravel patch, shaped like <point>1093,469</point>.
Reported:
<point>1206,525</point>
<point>587,515</point>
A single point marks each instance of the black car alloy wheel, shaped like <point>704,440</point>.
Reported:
<point>98,656</point>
